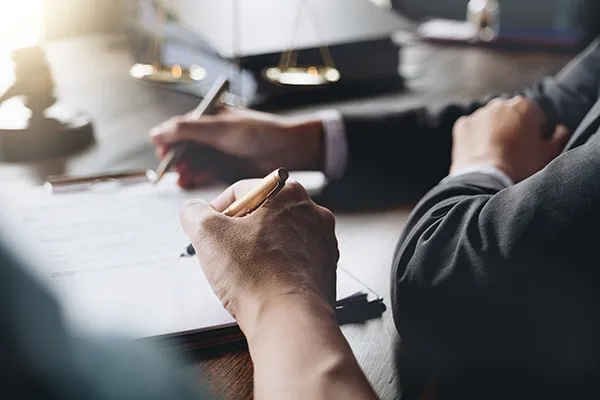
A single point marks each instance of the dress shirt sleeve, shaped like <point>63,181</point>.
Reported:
<point>486,169</point>
<point>336,144</point>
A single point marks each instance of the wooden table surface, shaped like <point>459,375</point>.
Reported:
<point>91,74</point>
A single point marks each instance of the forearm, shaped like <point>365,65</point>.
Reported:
<point>299,352</point>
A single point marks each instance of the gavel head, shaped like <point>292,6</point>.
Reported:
<point>33,79</point>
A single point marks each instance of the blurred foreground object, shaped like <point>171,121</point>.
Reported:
<point>34,126</point>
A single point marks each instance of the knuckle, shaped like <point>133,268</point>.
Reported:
<point>295,186</point>
<point>327,215</point>
<point>179,125</point>
<point>520,104</point>
<point>496,102</point>
<point>459,125</point>
<point>462,120</point>
<point>295,191</point>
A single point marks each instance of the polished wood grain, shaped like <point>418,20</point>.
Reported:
<point>91,74</point>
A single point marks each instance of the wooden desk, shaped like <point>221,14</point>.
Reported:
<point>91,74</point>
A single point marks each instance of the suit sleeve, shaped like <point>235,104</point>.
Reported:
<point>488,280</point>
<point>400,154</point>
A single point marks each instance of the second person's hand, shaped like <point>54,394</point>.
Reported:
<point>510,135</point>
<point>240,143</point>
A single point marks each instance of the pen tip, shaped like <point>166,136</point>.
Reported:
<point>157,178</point>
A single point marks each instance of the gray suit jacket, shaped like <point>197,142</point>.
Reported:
<point>497,290</point>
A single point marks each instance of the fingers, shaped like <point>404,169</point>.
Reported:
<point>204,131</point>
<point>196,218</point>
<point>191,177</point>
<point>496,102</point>
<point>292,192</point>
<point>233,193</point>
<point>197,180</point>
<point>561,136</point>
<point>516,100</point>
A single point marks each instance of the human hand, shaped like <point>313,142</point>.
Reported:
<point>508,134</point>
<point>286,248</point>
<point>239,143</point>
<point>275,272</point>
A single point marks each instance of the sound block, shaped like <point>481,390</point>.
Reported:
<point>60,132</point>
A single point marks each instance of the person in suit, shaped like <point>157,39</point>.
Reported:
<point>284,302</point>
<point>495,278</point>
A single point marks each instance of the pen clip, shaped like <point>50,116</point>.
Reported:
<point>269,197</point>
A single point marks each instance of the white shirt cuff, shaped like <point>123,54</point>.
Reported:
<point>484,169</point>
<point>336,144</point>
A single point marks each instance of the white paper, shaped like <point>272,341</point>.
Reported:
<point>115,259</point>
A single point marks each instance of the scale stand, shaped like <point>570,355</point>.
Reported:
<point>288,73</point>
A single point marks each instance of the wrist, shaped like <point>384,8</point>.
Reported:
<point>309,144</point>
<point>483,164</point>
<point>255,315</point>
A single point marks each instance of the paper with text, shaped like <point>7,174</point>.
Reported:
<point>114,259</point>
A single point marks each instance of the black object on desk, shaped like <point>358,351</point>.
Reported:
<point>211,34</point>
<point>356,311</point>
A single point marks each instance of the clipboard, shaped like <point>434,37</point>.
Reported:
<point>67,183</point>
<point>114,282</point>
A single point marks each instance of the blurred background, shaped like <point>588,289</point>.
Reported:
<point>25,21</point>
<point>387,54</point>
<point>63,18</point>
<point>542,22</point>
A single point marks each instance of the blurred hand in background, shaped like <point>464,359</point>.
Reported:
<point>240,143</point>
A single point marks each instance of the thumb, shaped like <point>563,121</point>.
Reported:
<point>561,136</point>
<point>197,217</point>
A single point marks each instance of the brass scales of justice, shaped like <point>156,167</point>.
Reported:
<point>287,73</point>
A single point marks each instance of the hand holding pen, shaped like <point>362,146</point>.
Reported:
<point>285,242</point>
<point>238,143</point>
<point>263,193</point>
<point>210,104</point>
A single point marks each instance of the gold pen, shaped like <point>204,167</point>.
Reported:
<point>210,104</point>
<point>266,190</point>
